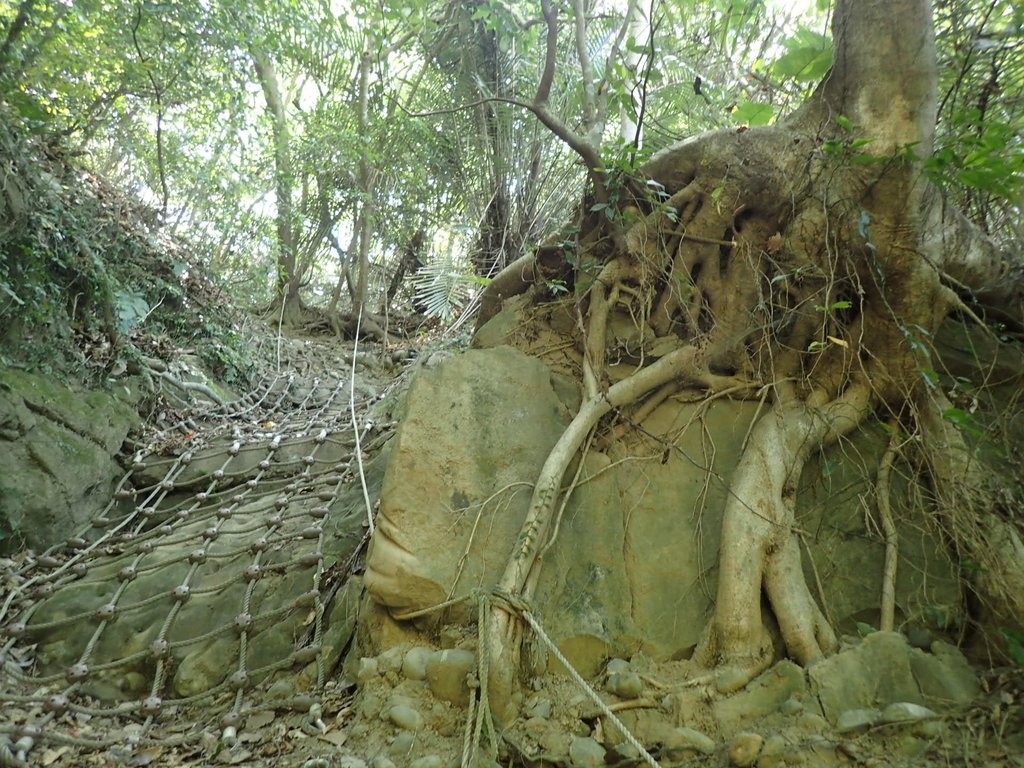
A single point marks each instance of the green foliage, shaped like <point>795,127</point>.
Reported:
<point>979,150</point>
<point>807,57</point>
<point>443,287</point>
<point>985,155</point>
<point>159,93</point>
<point>752,113</point>
<point>1014,639</point>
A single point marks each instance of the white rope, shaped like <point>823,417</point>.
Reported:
<point>591,693</point>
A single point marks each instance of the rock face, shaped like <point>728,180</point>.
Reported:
<point>634,565</point>
<point>477,427</point>
<point>56,445</point>
<point>885,670</point>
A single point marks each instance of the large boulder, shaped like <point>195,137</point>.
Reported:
<point>634,566</point>
<point>56,455</point>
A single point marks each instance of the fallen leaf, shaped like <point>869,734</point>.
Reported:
<point>260,720</point>
<point>51,756</point>
<point>337,738</point>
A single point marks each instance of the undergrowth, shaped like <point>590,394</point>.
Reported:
<point>87,279</point>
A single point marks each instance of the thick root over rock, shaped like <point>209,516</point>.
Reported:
<point>759,548</point>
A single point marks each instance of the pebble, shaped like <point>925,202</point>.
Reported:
<point>414,664</point>
<point>351,761</point>
<point>625,685</point>
<point>911,746</point>
<point>390,661</point>
<point>367,669</point>
<point>930,729</point>
<point>402,744</point>
<point>919,637</point>
<point>427,761</point>
<point>538,706</point>
<point>745,748</point>
<point>617,666</point>
<point>370,706</point>
<point>773,752</point>
<point>791,706</point>
<point>382,761</point>
<point>282,689</point>
<point>731,679</point>
<point>585,752</point>
<point>811,721</point>
<point>679,741</point>
<point>857,720</point>
<point>906,712</point>
<point>446,674</point>
<point>405,717</point>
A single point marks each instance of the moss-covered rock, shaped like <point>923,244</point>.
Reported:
<point>56,455</point>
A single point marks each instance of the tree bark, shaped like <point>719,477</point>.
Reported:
<point>287,287</point>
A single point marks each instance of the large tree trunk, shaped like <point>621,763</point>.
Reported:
<point>793,264</point>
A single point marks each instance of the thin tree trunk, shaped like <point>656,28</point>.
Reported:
<point>287,288</point>
<point>365,182</point>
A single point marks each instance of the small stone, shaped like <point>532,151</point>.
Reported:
<point>367,669</point>
<point>390,661</point>
<point>402,745</point>
<point>857,720</point>
<point>731,679</point>
<point>382,761</point>
<point>405,717</point>
<point>538,706</point>
<point>791,706</point>
<point>906,712</point>
<point>930,729</point>
<point>794,756</point>
<point>427,761</point>
<point>585,752</point>
<point>370,705</point>
<point>350,761</point>
<point>625,685</point>
<point>815,723</point>
<point>745,748</point>
<point>414,664</point>
<point>919,637</point>
<point>447,673</point>
<point>617,666</point>
<point>911,746</point>
<point>773,752</point>
<point>681,741</point>
<point>282,689</point>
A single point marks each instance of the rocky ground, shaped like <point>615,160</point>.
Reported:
<point>213,612</point>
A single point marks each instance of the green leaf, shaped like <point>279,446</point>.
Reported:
<point>7,289</point>
<point>843,304</point>
<point>27,107</point>
<point>752,113</point>
<point>131,309</point>
<point>808,56</point>
<point>1015,645</point>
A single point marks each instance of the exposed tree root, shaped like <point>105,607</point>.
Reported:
<point>685,364</point>
<point>990,545</point>
<point>883,492</point>
<point>759,548</point>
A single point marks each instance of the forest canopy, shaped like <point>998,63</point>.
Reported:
<point>335,154</point>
